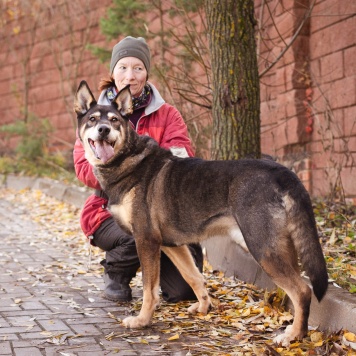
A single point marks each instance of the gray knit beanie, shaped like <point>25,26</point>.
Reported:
<point>131,47</point>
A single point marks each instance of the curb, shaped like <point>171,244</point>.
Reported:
<point>70,194</point>
<point>336,311</point>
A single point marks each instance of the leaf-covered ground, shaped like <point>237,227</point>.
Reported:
<point>244,319</point>
<point>337,229</point>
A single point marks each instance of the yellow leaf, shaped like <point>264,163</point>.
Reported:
<point>174,337</point>
<point>247,312</point>
<point>350,336</point>
<point>316,337</point>
<point>319,343</point>
<point>16,30</point>
<point>347,240</point>
<point>18,301</point>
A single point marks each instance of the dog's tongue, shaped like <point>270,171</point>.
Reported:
<point>104,150</point>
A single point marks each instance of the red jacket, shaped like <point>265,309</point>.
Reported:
<point>160,121</point>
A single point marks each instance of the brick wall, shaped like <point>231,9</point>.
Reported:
<point>308,99</point>
<point>46,52</point>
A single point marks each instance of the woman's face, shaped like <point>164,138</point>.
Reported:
<point>130,70</point>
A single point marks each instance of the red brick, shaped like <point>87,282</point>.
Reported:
<point>351,144</point>
<point>348,180</point>
<point>281,103</point>
<point>294,103</point>
<point>292,134</point>
<point>51,76</point>
<point>40,49</point>
<point>5,87</point>
<point>334,95</point>
<point>65,120</point>
<point>328,126</point>
<point>267,113</point>
<point>314,68</point>
<point>326,13</point>
<point>343,93</point>
<point>268,141</point>
<point>7,72</point>
<point>304,176</point>
<point>68,133</point>
<point>332,67</point>
<point>333,38</point>
<point>321,183</point>
<point>320,157</point>
<point>286,24</point>
<point>349,60</point>
<point>271,85</point>
<point>46,108</point>
<point>350,120</point>
<point>342,145</point>
<point>321,93</point>
<point>47,62</point>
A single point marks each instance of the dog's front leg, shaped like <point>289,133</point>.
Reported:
<point>149,255</point>
<point>183,260</point>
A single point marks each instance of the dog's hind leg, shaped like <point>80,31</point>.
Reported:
<point>270,243</point>
<point>149,255</point>
<point>183,260</point>
<point>285,273</point>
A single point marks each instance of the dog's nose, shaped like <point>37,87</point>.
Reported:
<point>104,130</point>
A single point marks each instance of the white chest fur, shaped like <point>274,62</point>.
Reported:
<point>123,211</point>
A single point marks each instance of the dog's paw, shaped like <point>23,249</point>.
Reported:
<point>289,335</point>
<point>193,309</point>
<point>134,322</point>
<point>199,308</point>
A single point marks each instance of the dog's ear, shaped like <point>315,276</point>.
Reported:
<point>123,100</point>
<point>84,99</point>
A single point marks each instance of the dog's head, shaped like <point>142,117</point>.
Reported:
<point>102,128</point>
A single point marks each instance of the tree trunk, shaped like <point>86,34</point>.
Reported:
<point>236,93</point>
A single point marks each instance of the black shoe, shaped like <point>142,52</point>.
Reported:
<point>117,289</point>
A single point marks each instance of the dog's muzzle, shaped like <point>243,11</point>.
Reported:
<point>103,131</point>
<point>102,147</point>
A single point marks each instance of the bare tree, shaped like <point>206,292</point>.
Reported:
<point>231,29</point>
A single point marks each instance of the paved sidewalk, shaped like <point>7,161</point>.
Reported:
<point>46,312</point>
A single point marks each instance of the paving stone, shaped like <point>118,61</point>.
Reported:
<point>85,329</point>
<point>53,325</point>
<point>5,348</point>
<point>28,351</point>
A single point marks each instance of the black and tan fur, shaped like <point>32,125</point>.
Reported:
<point>166,202</point>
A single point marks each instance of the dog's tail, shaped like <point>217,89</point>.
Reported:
<point>303,231</point>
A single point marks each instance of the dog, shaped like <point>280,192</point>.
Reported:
<point>167,202</point>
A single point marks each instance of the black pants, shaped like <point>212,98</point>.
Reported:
<point>122,258</point>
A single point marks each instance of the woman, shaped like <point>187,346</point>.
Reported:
<point>130,64</point>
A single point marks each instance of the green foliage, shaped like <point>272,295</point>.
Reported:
<point>186,5</point>
<point>33,136</point>
<point>122,19</point>
<point>31,156</point>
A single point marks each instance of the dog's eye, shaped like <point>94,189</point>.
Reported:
<point>92,118</point>
<point>114,119</point>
